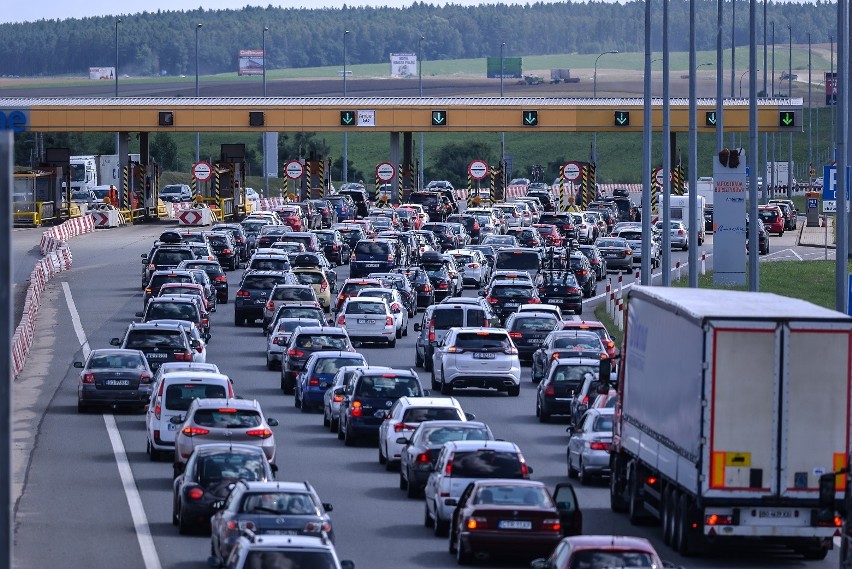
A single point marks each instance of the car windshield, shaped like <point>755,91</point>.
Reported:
<point>437,436</point>
<point>214,468</point>
<point>158,281</point>
<point>116,361</point>
<point>269,265</point>
<point>356,307</point>
<point>577,343</point>
<point>279,502</point>
<point>286,558</point>
<point>392,387</point>
<point>602,425</point>
<point>483,341</point>
<point>564,279</point>
<point>504,291</point>
<point>768,214</point>
<point>588,559</point>
<point>138,339</point>
<point>454,317</point>
<point>180,395</point>
<point>310,278</point>
<point>631,235</point>
<point>512,496</point>
<point>321,342</point>
<point>486,463</point>
<point>437,272</point>
<point>171,257</point>
<point>301,312</point>
<point>573,375</point>
<point>332,365</point>
<point>611,243</point>
<point>171,311</point>
<point>520,260</point>
<point>226,418</point>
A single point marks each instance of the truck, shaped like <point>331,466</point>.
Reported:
<point>704,187</point>
<point>726,421</point>
<point>679,207</point>
<point>90,171</point>
<point>562,76</point>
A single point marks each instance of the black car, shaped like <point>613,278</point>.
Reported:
<point>335,247</point>
<point>159,342</point>
<point>359,198</point>
<point>489,253</point>
<point>252,228</point>
<point>114,378</point>
<point>238,235</point>
<point>215,272</point>
<point>446,237</point>
<point>528,330</point>
<point>563,221</point>
<point>328,215</point>
<point>420,281</point>
<point>440,281</point>
<point>351,234</point>
<point>372,255</point>
<point>305,341</point>
<point>224,248</point>
<point>210,473</point>
<point>470,222</point>
<point>566,344</point>
<point>254,293</point>
<point>585,274</point>
<point>560,288</point>
<point>527,236</point>
<point>596,260</point>
<point>557,391</point>
<point>435,204</point>
<point>545,198</point>
<point>269,234</point>
<point>505,296</point>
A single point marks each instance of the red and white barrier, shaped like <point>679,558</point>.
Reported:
<point>196,217</point>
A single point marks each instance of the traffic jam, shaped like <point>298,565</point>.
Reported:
<point>488,293</point>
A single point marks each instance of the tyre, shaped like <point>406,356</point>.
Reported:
<point>669,498</point>
<point>572,472</point>
<point>814,553</point>
<point>382,459</point>
<point>184,527</point>
<point>333,425</point>
<point>297,401</point>
<point>411,490</point>
<point>238,321</point>
<point>585,477</point>
<point>405,330</point>
<point>340,435</point>
<point>616,498</point>
<point>325,420</point>
<point>81,407</point>
<point>418,361</point>
<point>543,417</point>
<point>270,365</point>
<point>392,343</point>
<point>349,438</point>
<point>688,543</point>
<point>427,519</point>
<point>463,556</point>
<point>514,391</point>
<point>442,528</point>
<point>634,502</point>
<point>427,362</point>
<point>399,333</point>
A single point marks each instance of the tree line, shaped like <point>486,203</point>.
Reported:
<point>163,42</point>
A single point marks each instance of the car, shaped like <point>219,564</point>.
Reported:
<point>791,213</point>
<point>252,551</point>
<point>211,471</point>
<point>191,289</point>
<point>269,234</point>
<point>458,464</point>
<point>87,197</point>
<point>550,235</point>
<point>565,344</point>
<point>282,293</point>
<point>317,279</point>
<point>557,392</point>
<point>421,215</point>
<point>600,551</point>
<point>772,218</point>
<point>178,307</point>
<point>368,319</point>
<point>333,396</point>
<point>420,449</point>
<point>164,258</point>
<point>197,339</point>
<point>474,265</point>
<point>113,378</point>
<point>351,287</point>
<point>215,272</point>
<point>559,288</point>
<point>476,357</point>
<point>270,508</point>
<point>344,206</point>
<point>617,253</point>
<point>433,202</point>
<point>518,259</point>
<point>220,420</point>
<point>678,234</point>
<point>564,221</point>
<point>304,341</point>
<point>176,386</point>
<point>316,261</point>
<point>762,238</point>
<point>425,295</point>
<point>279,337</point>
<point>437,321</point>
<point>397,307</point>
<point>327,212</point>
<point>581,267</point>
<point>444,235</point>
<point>529,329</point>
<point>469,222</point>
<point>307,310</point>
<point>159,342</point>
<point>368,396</point>
<point>598,328</point>
<point>336,249</point>
<point>433,262</point>
<point>510,275</point>
<point>596,260</point>
<point>405,415</point>
<point>224,248</point>
<point>408,219</point>
<point>505,296</point>
<point>511,213</point>
<point>584,398</point>
<point>359,198</point>
<point>254,292</point>
<point>318,376</point>
<point>159,278</point>
<point>498,518</point>
<point>400,282</point>
<point>175,193</point>
<point>528,237</point>
<point>544,196</point>
<point>633,236</point>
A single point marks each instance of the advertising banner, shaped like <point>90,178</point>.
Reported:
<point>403,64</point>
<point>101,73</point>
<point>251,62</point>
<point>511,68</point>
<point>830,88</point>
<point>729,217</point>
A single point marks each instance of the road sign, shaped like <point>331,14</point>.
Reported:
<point>829,183</point>
<point>294,169</point>
<point>830,206</point>
<point>786,118</point>
<point>530,118</point>
<point>622,118</point>
<point>710,118</point>
<point>385,172</point>
<point>478,169</point>
<point>202,171</point>
<point>812,172</point>
<point>571,171</point>
<point>348,118</point>
<point>812,203</point>
<point>439,118</point>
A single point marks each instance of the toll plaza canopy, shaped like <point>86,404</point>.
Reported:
<point>388,114</point>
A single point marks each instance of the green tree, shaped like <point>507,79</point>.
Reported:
<point>453,160</point>
<point>163,149</point>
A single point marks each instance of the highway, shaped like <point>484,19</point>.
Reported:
<point>73,510</point>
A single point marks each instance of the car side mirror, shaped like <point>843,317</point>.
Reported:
<point>451,502</point>
<point>144,256</point>
<point>273,467</point>
<point>347,564</point>
<point>115,342</point>
<point>327,507</point>
<point>78,364</point>
<point>272,422</point>
<point>480,293</point>
<point>176,420</point>
<point>206,336</point>
<point>470,416</point>
<point>402,441</point>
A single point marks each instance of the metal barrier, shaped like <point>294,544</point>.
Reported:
<point>222,207</point>
<point>34,214</point>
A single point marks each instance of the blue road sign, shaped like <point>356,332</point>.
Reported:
<point>829,182</point>
<point>812,203</point>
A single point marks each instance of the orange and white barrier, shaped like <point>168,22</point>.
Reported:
<point>196,217</point>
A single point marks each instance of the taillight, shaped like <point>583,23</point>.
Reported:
<point>337,398</point>
<point>88,378</point>
<point>158,409</point>
<point>515,335</point>
<point>403,427</point>
<point>550,391</point>
<point>243,294</point>
<point>278,340</point>
<point>184,356</point>
<point>584,272</point>
<point>442,286</point>
<point>313,381</point>
<point>226,251</point>
<point>195,493</point>
<point>270,305</point>
<point>551,524</point>
<point>199,348</point>
<point>477,522</point>
<point>628,252</point>
<point>341,320</point>
<point>597,445</point>
<point>395,307</point>
<point>574,290</point>
<point>293,352</point>
<point>220,279</point>
<point>585,400</point>
<point>205,321</point>
<point>533,300</point>
<point>260,433</point>
<point>525,471</point>
<point>356,409</point>
<point>148,290</point>
<point>448,469</point>
<point>427,288</point>
<point>335,247</point>
<point>474,265</point>
<point>323,285</point>
<point>194,431</point>
<point>493,300</point>
<point>681,232</point>
<point>719,520</point>
<point>424,458</point>
<point>389,321</point>
<point>432,330</point>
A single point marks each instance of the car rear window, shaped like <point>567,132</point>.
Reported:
<point>231,465</point>
<point>304,240</point>
<point>589,558</point>
<point>441,435</point>
<point>374,249</point>
<point>138,339</point>
<point>172,257</point>
<point>331,365</point>
<point>269,265</point>
<point>631,235</point>
<point>579,344</point>
<point>486,463</point>
<point>295,293</point>
<point>217,240</point>
<point>321,341</point>
<point>448,318</point>
<point>209,268</point>
<point>302,312</point>
<point>483,341</point>
<point>262,282</point>
<point>535,324</point>
<point>574,376</point>
<point>768,215</point>
<point>388,387</point>
<point>290,558</point>
<point>602,425</point>
<point>172,311</point>
<point>226,417</point>
<point>611,243</point>
<point>514,291</point>
<point>158,281</point>
<point>310,278</point>
<point>420,414</point>
<point>366,308</point>
<point>180,395</point>
<point>424,199</point>
<point>515,496</point>
<point>521,260</point>
<point>117,361</point>
<point>278,502</point>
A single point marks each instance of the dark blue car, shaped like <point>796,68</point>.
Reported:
<point>372,256</point>
<point>254,293</point>
<point>344,206</point>
<point>369,397</point>
<point>318,376</point>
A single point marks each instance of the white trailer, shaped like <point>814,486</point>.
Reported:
<point>679,207</point>
<point>731,405</point>
<point>90,171</point>
<point>704,187</point>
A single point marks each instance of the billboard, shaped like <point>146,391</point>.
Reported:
<point>511,68</point>
<point>830,88</point>
<point>403,64</point>
<point>99,73</point>
<point>251,62</point>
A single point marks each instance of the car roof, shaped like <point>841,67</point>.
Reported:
<point>431,402</point>
<point>263,486</point>
<point>187,374</point>
<point>216,448</point>
<point>155,326</point>
<point>320,330</point>
<point>580,542</point>
<point>336,354</point>
<point>213,403</point>
<point>476,445</point>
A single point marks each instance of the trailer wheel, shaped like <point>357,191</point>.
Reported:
<point>634,502</point>
<point>814,552</point>
<point>616,492</point>
<point>668,506</point>
<point>688,542</point>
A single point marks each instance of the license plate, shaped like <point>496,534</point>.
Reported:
<point>281,532</point>
<point>371,264</point>
<point>259,301</point>
<point>483,355</point>
<point>774,514</point>
<point>554,301</point>
<point>157,355</point>
<point>512,304</point>
<point>514,524</point>
<point>116,382</point>
<point>365,321</point>
<point>324,384</point>
<point>611,255</point>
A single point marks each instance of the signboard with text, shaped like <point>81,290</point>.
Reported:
<point>102,73</point>
<point>830,88</point>
<point>403,64</point>
<point>729,222</point>
<point>511,68</point>
<point>251,62</point>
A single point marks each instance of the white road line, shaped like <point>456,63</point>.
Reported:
<point>799,257</point>
<point>134,501</point>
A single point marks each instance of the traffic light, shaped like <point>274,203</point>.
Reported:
<point>622,118</point>
<point>439,118</point>
<point>530,118</point>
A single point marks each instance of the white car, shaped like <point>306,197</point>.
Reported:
<point>396,305</point>
<point>252,195</point>
<point>406,414</point>
<point>368,319</point>
<point>474,265</point>
<point>476,357</point>
<point>512,214</point>
<point>552,308</point>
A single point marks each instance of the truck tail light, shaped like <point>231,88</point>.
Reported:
<point>719,520</point>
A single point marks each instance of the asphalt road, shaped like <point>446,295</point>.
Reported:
<point>73,510</point>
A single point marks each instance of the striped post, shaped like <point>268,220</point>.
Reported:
<point>562,205</point>
<point>492,193</point>
<point>584,182</point>
<point>217,183</point>
<point>608,295</point>
<point>677,180</point>
<point>140,185</point>
<point>703,263</point>
<point>655,195</point>
<point>619,317</point>
<point>193,185</point>
<point>125,188</point>
<point>401,174</point>
<point>378,196</point>
<point>470,193</point>
<point>677,271</point>
<point>316,190</point>
<point>591,186</point>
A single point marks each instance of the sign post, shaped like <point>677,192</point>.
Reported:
<point>202,171</point>
<point>294,170</point>
<point>829,189</point>
<point>729,228</point>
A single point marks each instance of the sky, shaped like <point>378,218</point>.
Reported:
<point>61,10</point>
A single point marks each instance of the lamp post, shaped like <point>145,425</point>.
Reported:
<point>789,97</point>
<point>117,135</point>
<point>420,85</point>
<point>743,74</point>
<point>595,96</point>
<point>263,49</point>
<point>197,134</point>
<point>265,159</point>
<point>502,134</point>
<point>345,134</point>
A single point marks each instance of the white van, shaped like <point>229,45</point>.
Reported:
<point>680,212</point>
<point>171,397</point>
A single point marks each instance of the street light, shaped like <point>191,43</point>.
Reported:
<point>595,95</point>
<point>197,134</point>
<point>741,81</point>
<point>118,21</point>
<point>265,159</point>
<point>502,68</point>
<point>263,48</point>
<point>503,133</point>
<point>420,82</point>
<point>345,134</point>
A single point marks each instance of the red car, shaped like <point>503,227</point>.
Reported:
<point>292,216</point>
<point>772,218</point>
<point>596,327</point>
<point>601,551</point>
<point>550,233</point>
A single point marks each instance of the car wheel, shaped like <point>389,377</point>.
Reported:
<point>686,247</point>
<point>349,437</point>
<point>325,420</point>
<point>446,388</point>
<point>238,321</point>
<point>340,434</point>
<point>572,473</point>
<point>585,478</point>
<point>392,343</point>
<point>514,391</point>
<point>579,311</point>
<point>297,401</point>
<point>333,425</point>
<point>442,528</point>
<point>427,361</point>
<point>436,385</point>
<point>427,518</point>
<point>184,527</point>
<point>382,459</point>
<point>175,518</point>
<point>399,333</point>
<point>269,364</point>
<point>418,361</point>
<point>463,556</point>
<point>81,407</point>
<point>543,417</point>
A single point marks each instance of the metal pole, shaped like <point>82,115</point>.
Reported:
<point>265,160</point>
<point>6,168</point>
<point>117,135</point>
<point>667,155</point>
<point>754,250</point>
<point>834,106</point>
<point>789,98</point>
<point>345,134</point>
<point>197,134</point>
<point>502,134</point>
<point>842,250</point>
<point>764,190</point>
<point>733,57</point>
<point>595,95</point>
<point>420,82</point>
<point>773,59</point>
<point>692,161</point>
<point>645,273</point>
<point>720,130</point>
<point>810,117</point>
<point>765,55</point>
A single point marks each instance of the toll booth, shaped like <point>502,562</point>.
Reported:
<point>225,194</point>
<point>37,197</point>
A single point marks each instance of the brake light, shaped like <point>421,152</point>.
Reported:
<point>550,391</point>
<point>681,232</point>
<point>356,409</point>
<point>335,247</point>
<point>323,285</point>
<point>294,353</point>
<point>337,398</point>
<point>88,378</point>
<point>442,286</point>
<point>628,252</point>
<point>492,300</point>
<point>243,294</point>
<point>574,290</point>
<point>205,321</point>
<point>525,471</point>
<point>313,381</point>
<point>510,351</point>
<point>270,305</point>
<point>220,279</point>
<point>194,431</point>
<point>477,523</point>
<point>515,335</point>
<point>199,348</point>
<point>448,469</point>
<point>389,321</point>
<point>184,356</point>
<point>717,520</point>
<point>585,400</point>
<point>474,265</point>
<point>432,330</point>
<point>195,493</point>
<point>533,300</point>
<point>341,320</point>
<point>403,427</point>
<point>317,527</point>
<point>551,524</point>
<point>424,458</point>
<point>584,272</point>
<point>260,433</point>
<point>226,251</point>
<point>427,288</point>
<point>597,445</point>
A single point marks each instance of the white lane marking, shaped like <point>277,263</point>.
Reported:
<point>799,257</point>
<point>134,501</point>
<point>75,320</point>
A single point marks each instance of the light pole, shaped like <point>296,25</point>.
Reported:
<point>789,97</point>
<point>117,135</point>
<point>502,134</point>
<point>595,96</point>
<point>265,159</point>
<point>345,134</point>
<point>743,74</point>
<point>263,49</point>
<point>420,85</point>
<point>197,134</point>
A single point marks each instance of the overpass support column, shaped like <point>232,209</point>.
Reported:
<point>144,155</point>
<point>408,173</point>
<point>394,159</point>
<point>673,150</point>
<point>124,160</point>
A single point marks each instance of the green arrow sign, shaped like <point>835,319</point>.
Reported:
<point>787,118</point>
<point>530,118</point>
<point>347,118</point>
<point>439,118</point>
<point>710,118</point>
<point>622,118</point>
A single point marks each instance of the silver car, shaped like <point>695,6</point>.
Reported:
<point>279,337</point>
<point>396,305</point>
<point>368,319</point>
<point>588,447</point>
<point>633,235</point>
<point>474,264</point>
<point>617,252</point>
<point>678,232</point>
<point>476,357</point>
